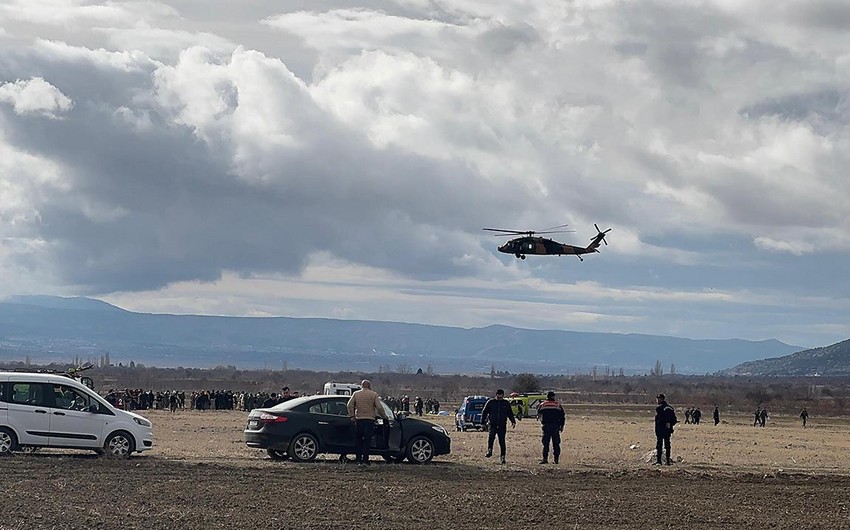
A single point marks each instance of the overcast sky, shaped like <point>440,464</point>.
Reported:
<point>314,158</point>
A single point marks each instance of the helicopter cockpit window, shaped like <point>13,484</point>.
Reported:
<point>530,246</point>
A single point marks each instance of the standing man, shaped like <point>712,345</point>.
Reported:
<point>552,417</point>
<point>716,415</point>
<point>498,411</point>
<point>665,419</point>
<point>285,395</point>
<point>362,408</point>
<point>805,417</point>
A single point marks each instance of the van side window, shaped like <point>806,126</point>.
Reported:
<point>3,392</point>
<point>66,397</point>
<point>27,394</point>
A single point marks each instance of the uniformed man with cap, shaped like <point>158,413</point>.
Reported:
<point>552,417</point>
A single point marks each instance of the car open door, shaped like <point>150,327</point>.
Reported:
<point>388,433</point>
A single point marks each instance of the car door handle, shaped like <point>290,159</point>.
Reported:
<point>58,413</point>
<point>41,412</point>
<point>324,423</point>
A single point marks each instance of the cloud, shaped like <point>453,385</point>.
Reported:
<point>81,12</point>
<point>35,96</point>
<point>795,248</point>
<point>204,144</point>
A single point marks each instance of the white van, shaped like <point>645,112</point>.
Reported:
<point>48,410</point>
<point>340,389</point>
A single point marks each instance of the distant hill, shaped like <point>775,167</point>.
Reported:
<point>60,329</point>
<point>831,360</point>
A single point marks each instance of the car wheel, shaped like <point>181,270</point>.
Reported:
<point>8,441</point>
<point>277,454</point>
<point>420,450</point>
<point>119,445</point>
<point>304,447</point>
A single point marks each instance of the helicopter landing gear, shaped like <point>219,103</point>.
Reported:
<point>520,256</point>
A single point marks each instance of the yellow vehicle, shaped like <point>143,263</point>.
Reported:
<point>525,405</point>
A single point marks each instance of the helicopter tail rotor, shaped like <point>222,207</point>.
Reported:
<point>600,233</point>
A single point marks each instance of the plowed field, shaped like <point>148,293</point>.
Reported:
<point>201,476</point>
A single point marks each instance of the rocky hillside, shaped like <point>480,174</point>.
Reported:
<point>831,360</point>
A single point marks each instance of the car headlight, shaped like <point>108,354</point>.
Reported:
<point>440,430</point>
<point>143,423</point>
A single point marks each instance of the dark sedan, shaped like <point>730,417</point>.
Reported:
<point>304,427</point>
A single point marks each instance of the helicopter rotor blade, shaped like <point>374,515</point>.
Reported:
<point>504,232</point>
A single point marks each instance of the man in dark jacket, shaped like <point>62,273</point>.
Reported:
<point>665,419</point>
<point>497,411</point>
<point>551,416</point>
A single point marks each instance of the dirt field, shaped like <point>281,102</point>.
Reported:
<point>201,475</point>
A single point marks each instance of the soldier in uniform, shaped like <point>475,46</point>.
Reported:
<point>552,417</point>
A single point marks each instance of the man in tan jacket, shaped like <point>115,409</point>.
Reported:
<point>363,406</point>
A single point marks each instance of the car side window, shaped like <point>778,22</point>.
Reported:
<point>68,398</point>
<point>334,408</point>
<point>27,394</point>
<point>340,408</point>
<point>318,408</point>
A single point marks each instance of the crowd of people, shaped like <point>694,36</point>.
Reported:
<point>202,400</point>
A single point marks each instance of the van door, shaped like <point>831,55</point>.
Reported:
<point>28,413</point>
<point>72,424</point>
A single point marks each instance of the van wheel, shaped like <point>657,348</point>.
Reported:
<point>304,447</point>
<point>8,441</point>
<point>420,450</point>
<point>119,445</point>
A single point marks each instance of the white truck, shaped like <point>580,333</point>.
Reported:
<point>340,389</point>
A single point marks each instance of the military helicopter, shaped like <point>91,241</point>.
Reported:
<point>530,242</point>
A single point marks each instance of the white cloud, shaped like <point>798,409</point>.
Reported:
<point>349,157</point>
<point>796,248</point>
<point>35,96</point>
<point>81,12</point>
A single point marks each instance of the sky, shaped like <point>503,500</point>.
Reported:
<point>337,159</point>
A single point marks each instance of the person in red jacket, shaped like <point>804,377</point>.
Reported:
<point>552,417</point>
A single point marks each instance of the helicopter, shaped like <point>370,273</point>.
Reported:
<point>530,242</point>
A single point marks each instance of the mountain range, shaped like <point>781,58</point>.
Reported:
<point>831,360</point>
<point>55,329</point>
